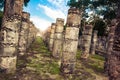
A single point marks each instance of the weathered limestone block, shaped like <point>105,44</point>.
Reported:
<point>87,41</point>
<point>23,33</point>
<point>112,64</point>
<point>58,38</point>
<point>32,32</point>
<point>52,36</point>
<point>8,63</point>
<point>94,41</point>
<point>48,36</point>
<point>71,41</point>
<point>10,34</point>
<point>102,43</point>
<point>29,38</point>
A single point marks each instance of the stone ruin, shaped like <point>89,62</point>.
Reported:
<point>24,31</point>
<point>10,34</point>
<point>58,38</point>
<point>112,64</point>
<point>87,35</point>
<point>14,32</point>
<point>52,33</point>
<point>70,41</point>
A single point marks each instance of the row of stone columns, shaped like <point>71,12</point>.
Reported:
<point>16,34</point>
<point>63,43</point>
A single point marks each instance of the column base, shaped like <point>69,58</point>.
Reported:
<point>8,64</point>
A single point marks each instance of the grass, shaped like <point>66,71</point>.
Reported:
<point>78,54</point>
<point>42,63</point>
<point>94,64</point>
<point>98,57</point>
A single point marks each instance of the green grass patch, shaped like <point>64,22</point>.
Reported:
<point>54,68</point>
<point>78,54</point>
<point>98,57</point>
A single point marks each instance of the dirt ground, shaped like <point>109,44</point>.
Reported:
<point>38,64</point>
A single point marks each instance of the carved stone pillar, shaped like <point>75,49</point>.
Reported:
<point>87,41</point>
<point>30,34</point>
<point>58,38</point>
<point>52,36</point>
<point>10,34</point>
<point>71,41</point>
<point>24,33</point>
<point>93,42</point>
<point>112,64</point>
<point>48,36</point>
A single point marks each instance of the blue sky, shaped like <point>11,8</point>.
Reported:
<point>45,12</point>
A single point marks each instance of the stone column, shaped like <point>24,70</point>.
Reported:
<point>48,36</point>
<point>71,41</point>
<point>112,64</point>
<point>52,36</point>
<point>24,33</point>
<point>10,34</point>
<point>58,37</point>
<point>94,41</point>
<point>30,34</point>
<point>87,41</point>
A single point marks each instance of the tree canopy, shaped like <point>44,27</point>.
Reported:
<point>102,10</point>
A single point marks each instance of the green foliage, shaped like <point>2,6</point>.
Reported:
<point>65,27</point>
<point>26,2</point>
<point>100,26</point>
<point>78,4</point>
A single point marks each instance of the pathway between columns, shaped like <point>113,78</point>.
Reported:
<point>38,64</point>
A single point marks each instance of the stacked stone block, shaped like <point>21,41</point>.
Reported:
<point>32,32</point>
<point>93,42</point>
<point>10,34</point>
<point>87,34</point>
<point>70,41</point>
<point>24,33</point>
<point>112,64</point>
<point>52,36</point>
<point>58,38</point>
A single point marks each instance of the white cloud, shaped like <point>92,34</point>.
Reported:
<point>60,4</point>
<point>52,13</point>
<point>40,23</point>
<point>57,10</point>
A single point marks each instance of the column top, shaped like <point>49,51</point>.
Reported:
<point>74,10</point>
<point>53,25</point>
<point>60,20</point>
<point>26,15</point>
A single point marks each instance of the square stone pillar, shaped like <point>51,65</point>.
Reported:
<point>24,33</point>
<point>52,33</point>
<point>58,38</point>
<point>10,34</point>
<point>87,35</point>
<point>70,41</point>
<point>93,42</point>
<point>112,63</point>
